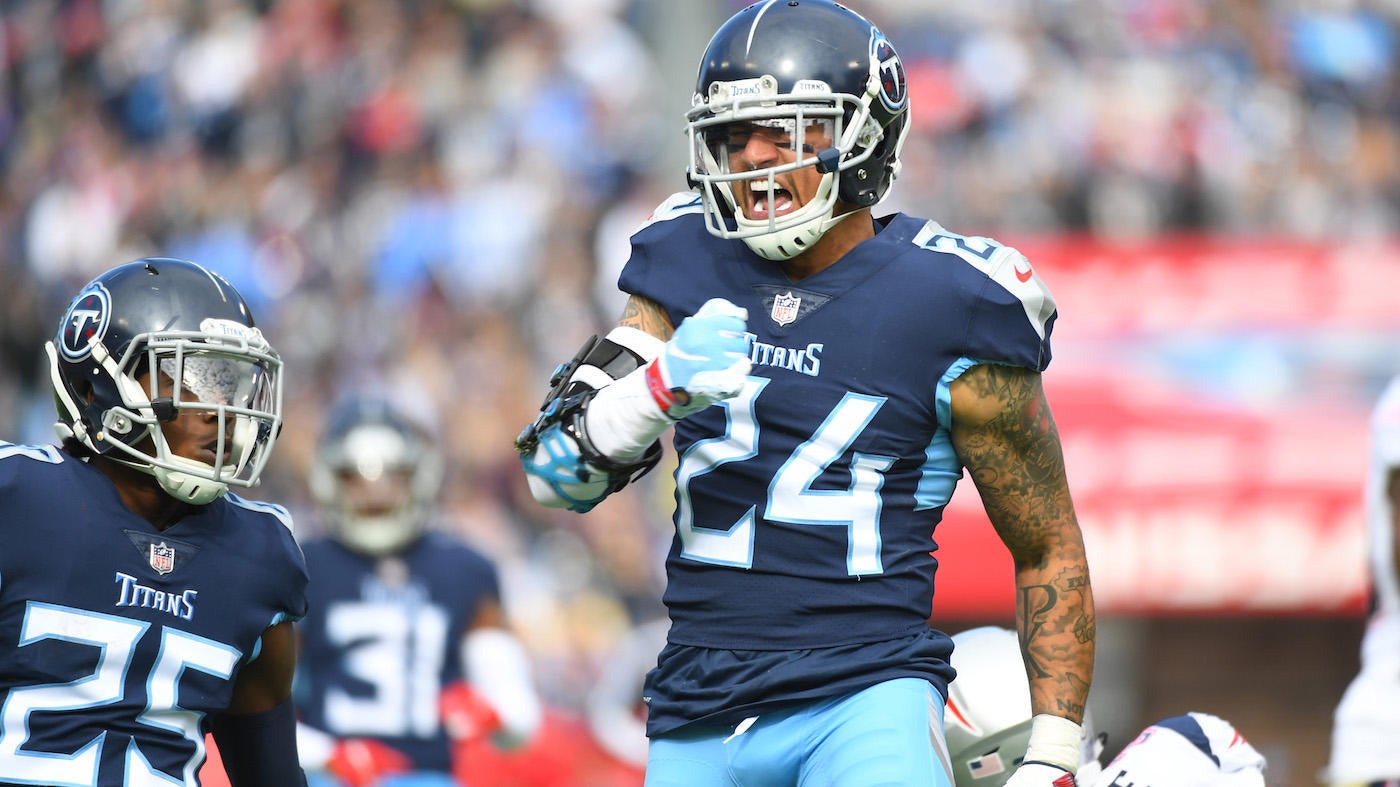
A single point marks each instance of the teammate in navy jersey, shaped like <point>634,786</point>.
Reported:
<point>142,603</point>
<point>406,647</point>
<point>829,375</point>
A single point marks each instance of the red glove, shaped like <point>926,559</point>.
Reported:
<point>466,715</point>
<point>362,762</point>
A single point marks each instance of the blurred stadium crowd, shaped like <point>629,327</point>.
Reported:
<point>433,197</point>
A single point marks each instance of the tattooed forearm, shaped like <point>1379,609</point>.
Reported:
<point>645,315</point>
<point>1005,435</point>
<point>1056,623</point>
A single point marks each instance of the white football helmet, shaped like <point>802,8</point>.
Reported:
<point>376,475</point>
<point>988,719</point>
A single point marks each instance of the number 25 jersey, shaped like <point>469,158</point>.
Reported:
<point>118,639</point>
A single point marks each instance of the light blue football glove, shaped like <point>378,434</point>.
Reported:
<point>706,361</point>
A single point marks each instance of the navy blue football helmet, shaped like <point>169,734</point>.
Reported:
<point>149,340</point>
<point>821,78</point>
<point>376,475</point>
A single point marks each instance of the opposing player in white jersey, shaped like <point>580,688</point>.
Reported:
<point>1190,750</point>
<point>988,726</point>
<point>1366,727</point>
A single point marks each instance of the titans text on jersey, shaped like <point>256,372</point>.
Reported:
<point>179,603</point>
<point>803,360</point>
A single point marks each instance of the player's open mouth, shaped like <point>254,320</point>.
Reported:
<point>759,205</point>
<point>210,452</point>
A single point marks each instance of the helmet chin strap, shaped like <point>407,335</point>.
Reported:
<point>183,486</point>
<point>70,423</point>
<point>188,487</point>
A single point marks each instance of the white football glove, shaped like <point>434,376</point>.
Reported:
<point>1035,774</point>
<point>706,361</point>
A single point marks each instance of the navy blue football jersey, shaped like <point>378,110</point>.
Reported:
<point>118,639</point>
<point>385,636</point>
<point>806,505</point>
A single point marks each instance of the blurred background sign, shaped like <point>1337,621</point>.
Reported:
<point>1212,398</point>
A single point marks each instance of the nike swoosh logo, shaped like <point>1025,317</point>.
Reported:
<point>1023,275</point>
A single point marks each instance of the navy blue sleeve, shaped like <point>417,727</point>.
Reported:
<point>260,749</point>
<point>661,248</point>
<point>1013,316</point>
<point>1009,310</point>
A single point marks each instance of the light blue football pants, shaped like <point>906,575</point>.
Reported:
<point>889,735</point>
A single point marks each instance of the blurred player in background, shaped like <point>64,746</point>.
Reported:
<point>829,375</point>
<point>988,726</point>
<point>1366,727</point>
<point>615,709</point>
<point>140,602</point>
<point>405,650</point>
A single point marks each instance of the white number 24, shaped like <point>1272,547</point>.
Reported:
<point>791,497</point>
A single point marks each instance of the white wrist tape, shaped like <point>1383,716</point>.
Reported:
<point>1054,741</point>
<point>623,418</point>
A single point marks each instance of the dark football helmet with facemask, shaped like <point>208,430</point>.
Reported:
<point>814,71</point>
<point>376,474</point>
<point>151,340</point>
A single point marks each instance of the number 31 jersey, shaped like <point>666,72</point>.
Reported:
<point>806,505</point>
<point>386,638</point>
<point>118,639</point>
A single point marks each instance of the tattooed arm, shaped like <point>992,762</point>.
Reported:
<point>644,314</point>
<point>1005,436</point>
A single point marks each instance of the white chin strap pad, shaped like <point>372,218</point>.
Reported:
<point>784,244</point>
<point>186,486</point>
<point>378,535</point>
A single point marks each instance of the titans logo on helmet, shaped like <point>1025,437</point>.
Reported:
<point>87,317</point>
<point>893,91</point>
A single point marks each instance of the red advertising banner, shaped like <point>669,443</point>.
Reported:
<point>1212,398</point>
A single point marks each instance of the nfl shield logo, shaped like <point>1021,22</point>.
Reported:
<point>785,308</point>
<point>162,558</point>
